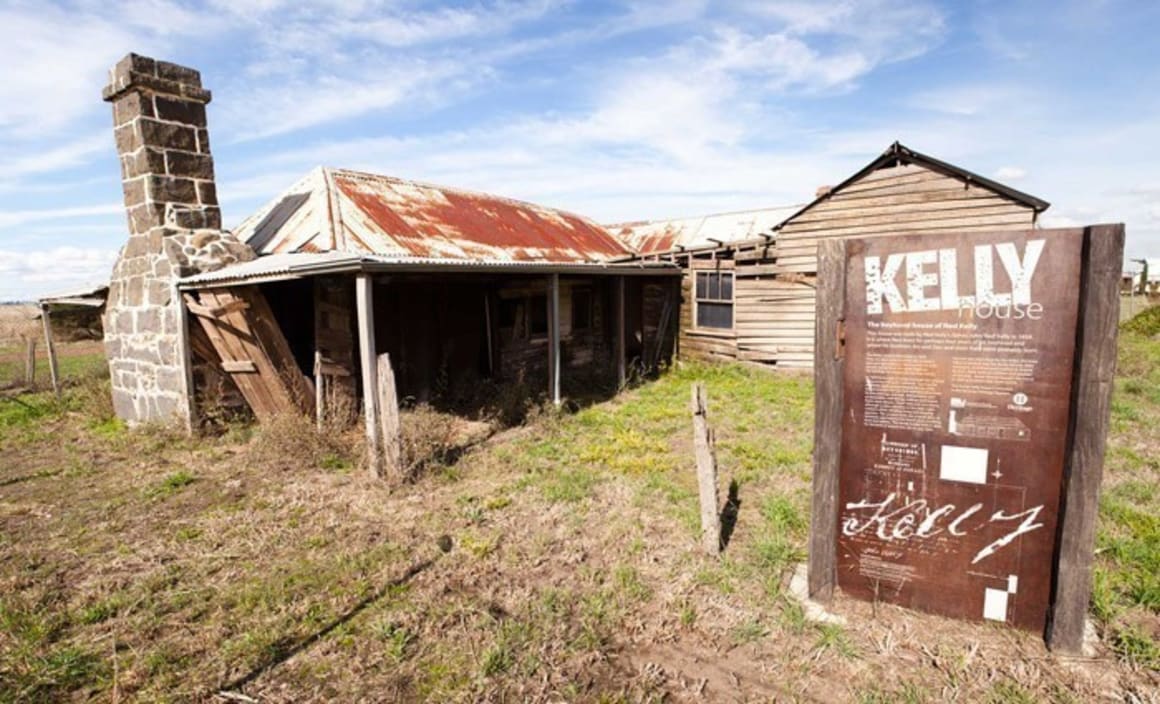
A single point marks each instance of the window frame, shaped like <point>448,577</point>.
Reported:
<point>698,299</point>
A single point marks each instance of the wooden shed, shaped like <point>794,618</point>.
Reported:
<point>752,298</point>
<point>459,288</point>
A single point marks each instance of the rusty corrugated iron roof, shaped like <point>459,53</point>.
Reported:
<point>294,265</point>
<point>349,211</point>
<point>661,236</point>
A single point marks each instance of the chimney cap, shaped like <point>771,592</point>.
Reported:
<point>823,191</point>
<point>136,72</point>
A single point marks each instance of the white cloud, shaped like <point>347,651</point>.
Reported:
<point>1009,173</point>
<point>13,218</point>
<point>27,274</point>
<point>290,106</point>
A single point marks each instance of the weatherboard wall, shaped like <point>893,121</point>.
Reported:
<point>775,283</point>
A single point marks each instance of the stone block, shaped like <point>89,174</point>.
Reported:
<point>171,189</point>
<point>172,408</point>
<point>149,320</point>
<point>166,135</point>
<point>149,160</point>
<point>134,190</point>
<point>135,291</point>
<point>189,164</point>
<point>203,141</point>
<point>130,64</point>
<point>184,111</point>
<point>167,350</point>
<point>207,190</point>
<point>184,217</point>
<point>137,266</point>
<point>135,246</point>
<point>178,74</point>
<point>213,217</point>
<point>128,137</point>
<point>158,293</point>
<point>124,406</point>
<point>143,218</point>
<point>171,380</point>
<point>131,106</point>
<point>122,322</point>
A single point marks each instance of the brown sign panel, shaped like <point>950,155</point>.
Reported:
<point>957,384</point>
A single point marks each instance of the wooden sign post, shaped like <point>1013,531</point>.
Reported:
<point>963,387</point>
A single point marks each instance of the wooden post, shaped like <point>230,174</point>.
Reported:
<point>368,359</point>
<point>319,391</point>
<point>487,327</point>
<point>29,361</point>
<point>706,472</point>
<point>1095,369</point>
<point>554,338</point>
<point>389,423</point>
<point>621,375</point>
<point>50,349</point>
<point>185,356</point>
<point>829,354</point>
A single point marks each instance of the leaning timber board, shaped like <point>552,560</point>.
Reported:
<point>252,349</point>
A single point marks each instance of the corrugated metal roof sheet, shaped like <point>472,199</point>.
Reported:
<point>288,265</point>
<point>348,211</point>
<point>93,294</point>
<point>659,236</point>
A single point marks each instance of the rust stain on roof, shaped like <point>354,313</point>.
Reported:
<point>383,215</point>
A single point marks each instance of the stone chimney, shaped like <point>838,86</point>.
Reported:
<point>174,231</point>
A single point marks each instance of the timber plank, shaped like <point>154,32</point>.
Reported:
<point>828,365</point>
<point>1092,394</point>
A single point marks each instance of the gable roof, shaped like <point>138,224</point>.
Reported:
<point>662,236</point>
<point>897,154</point>
<point>337,210</point>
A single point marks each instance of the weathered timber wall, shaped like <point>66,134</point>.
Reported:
<point>774,284</point>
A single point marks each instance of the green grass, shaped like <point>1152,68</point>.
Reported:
<point>566,537</point>
<point>1126,580</point>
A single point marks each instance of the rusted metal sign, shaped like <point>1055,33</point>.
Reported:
<point>957,386</point>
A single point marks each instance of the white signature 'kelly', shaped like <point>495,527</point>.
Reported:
<point>881,278</point>
<point>915,519</point>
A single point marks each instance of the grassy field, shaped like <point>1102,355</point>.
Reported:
<point>557,561</point>
<point>17,325</point>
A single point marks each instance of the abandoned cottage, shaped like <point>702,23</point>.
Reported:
<point>293,308</point>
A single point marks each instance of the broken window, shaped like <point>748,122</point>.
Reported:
<point>714,299</point>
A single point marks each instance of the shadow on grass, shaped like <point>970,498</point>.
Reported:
<point>283,651</point>
<point>729,513</point>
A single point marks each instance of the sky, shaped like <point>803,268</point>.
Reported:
<point>616,111</point>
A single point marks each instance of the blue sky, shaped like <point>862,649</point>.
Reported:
<point>617,111</point>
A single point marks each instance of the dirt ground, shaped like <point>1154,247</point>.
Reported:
<point>554,562</point>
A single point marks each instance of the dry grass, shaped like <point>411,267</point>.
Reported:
<point>556,562</point>
<point>17,322</point>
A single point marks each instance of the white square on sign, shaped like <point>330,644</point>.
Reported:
<point>995,604</point>
<point>963,464</point>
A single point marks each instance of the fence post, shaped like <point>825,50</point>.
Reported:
<point>706,472</point>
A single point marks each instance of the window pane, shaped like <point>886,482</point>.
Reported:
<point>715,315</point>
<point>702,284</point>
<point>714,286</point>
<point>727,287</point>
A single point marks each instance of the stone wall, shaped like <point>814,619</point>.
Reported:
<point>174,230</point>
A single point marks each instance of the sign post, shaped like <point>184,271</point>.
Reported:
<point>963,389</point>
